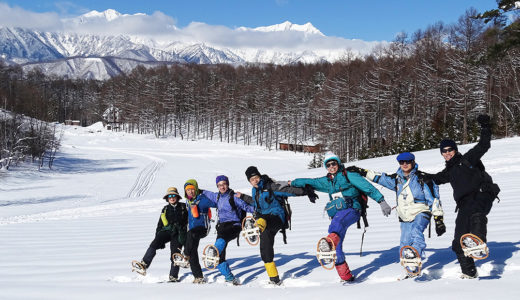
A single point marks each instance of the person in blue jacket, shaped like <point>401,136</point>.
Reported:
<point>417,200</point>
<point>229,221</point>
<point>270,215</point>
<point>199,217</point>
<point>344,191</point>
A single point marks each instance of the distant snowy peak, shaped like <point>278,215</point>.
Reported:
<point>108,15</point>
<point>306,28</point>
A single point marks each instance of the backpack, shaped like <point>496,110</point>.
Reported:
<point>363,200</point>
<point>284,203</point>
<point>241,214</point>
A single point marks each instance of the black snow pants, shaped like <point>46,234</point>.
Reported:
<point>471,218</point>
<point>274,224</point>
<point>161,238</point>
<point>191,249</point>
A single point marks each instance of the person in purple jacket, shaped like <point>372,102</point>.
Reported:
<point>229,225</point>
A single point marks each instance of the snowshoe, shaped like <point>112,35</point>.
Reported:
<point>473,246</point>
<point>210,257</point>
<point>326,253</point>
<point>275,281</point>
<point>408,276</point>
<point>410,260</point>
<point>199,280</point>
<point>139,267</point>
<point>180,260</point>
<point>234,281</point>
<point>250,231</point>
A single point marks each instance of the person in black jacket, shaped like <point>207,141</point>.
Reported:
<point>171,228</point>
<point>473,191</point>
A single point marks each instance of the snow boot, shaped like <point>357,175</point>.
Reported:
<point>467,266</point>
<point>173,279</point>
<point>344,272</point>
<point>199,280</point>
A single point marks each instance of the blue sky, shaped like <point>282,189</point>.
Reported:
<point>374,20</point>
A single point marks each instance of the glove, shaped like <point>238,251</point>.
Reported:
<point>484,120</point>
<point>385,208</point>
<point>358,170</point>
<point>309,191</point>
<point>440,228</point>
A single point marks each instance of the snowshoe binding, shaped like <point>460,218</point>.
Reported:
<point>326,253</point>
<point>180,260</point>
<point>411,261</point>
<point>210,257</point>
<point>139,267</point>
<point>250,231</point>
<point>473,246</point>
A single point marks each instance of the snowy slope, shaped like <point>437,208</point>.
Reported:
<point>71,232</point>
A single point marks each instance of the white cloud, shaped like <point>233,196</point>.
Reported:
<point>19,17</point>
<point>162,28</point>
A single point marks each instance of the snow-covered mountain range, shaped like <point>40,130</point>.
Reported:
<point>83,49</point>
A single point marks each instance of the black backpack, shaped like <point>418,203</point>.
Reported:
<point>284,203</point>
<point>363,200</point>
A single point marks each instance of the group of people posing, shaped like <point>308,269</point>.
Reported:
<point>184,224</point>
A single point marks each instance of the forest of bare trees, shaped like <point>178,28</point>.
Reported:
<point>404,96</point>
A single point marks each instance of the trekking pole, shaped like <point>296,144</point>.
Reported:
<point>430,229</point>
<point>362,239</point>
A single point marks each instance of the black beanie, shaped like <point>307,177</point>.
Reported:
<point>448,143</point>
<point>252,171</point>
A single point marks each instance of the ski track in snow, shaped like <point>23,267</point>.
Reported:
<point>145,179</point>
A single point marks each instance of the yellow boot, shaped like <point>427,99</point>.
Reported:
<point>272,272</point>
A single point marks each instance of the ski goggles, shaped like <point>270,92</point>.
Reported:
<point>447,149</point>
<point>408,162</point>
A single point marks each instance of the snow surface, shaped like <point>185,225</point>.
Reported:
<point>71,232</point>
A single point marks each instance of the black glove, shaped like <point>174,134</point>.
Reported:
<point>440,228</point>
<point>484,120</point>
<point>309,191</point>
<point>355,169</point>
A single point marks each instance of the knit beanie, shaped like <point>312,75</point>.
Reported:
<point>252,171</point>
<point>330,156</point>
<point>222,178</point>
<point>448,143</point>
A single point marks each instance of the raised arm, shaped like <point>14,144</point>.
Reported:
<point>484,143</point>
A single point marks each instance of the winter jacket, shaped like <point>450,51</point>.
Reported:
<point>413,195</point>
<point>201,204</point>
<point>333,184</point>
<point>466,173</point>
<point>173,218</point>
<point>266,198</point>
<point>226,213</point>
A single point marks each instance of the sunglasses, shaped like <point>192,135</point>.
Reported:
<point>447,150</point>
<point>172,196</point>
<point>331,164</point>
<point>402,162</point>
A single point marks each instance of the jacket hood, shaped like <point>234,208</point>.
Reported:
<point>195,184</point>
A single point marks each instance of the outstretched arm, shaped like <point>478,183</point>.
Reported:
<point>362,184</point>
<point>244,205</point>
<point>484,143</point>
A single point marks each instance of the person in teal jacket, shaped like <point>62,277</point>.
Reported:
<point>344,196</point>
